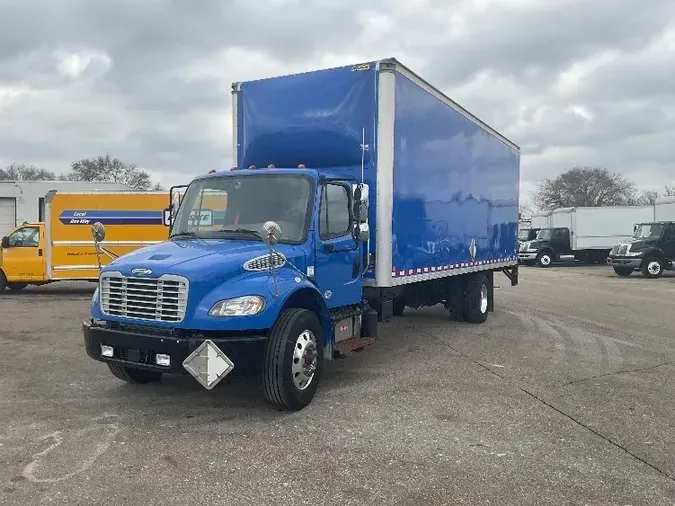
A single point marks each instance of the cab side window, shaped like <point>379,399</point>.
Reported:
<point>669,236</point>
<point>27,237</point>
<point>334,217</point>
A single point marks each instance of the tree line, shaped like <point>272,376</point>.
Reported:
<point>584,186</point>
<point>99,169</point>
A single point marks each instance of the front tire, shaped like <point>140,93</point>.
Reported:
<point>293,360</point>
<point>623,271</point>
<point>544,259</point>
<point>475,304</point>
<point>3,282</point>
<point>134,376</point>
<point>652,267</point>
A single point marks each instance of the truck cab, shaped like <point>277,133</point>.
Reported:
<point>282,264</point>
<point>650,250</point>
<point>22,257</point>
<point>549,245</point>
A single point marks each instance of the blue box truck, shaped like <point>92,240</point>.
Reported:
<point>356,192</point>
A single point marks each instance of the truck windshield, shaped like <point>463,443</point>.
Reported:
<point>523,234</point>
<point>648,230</point>
<point>237,207</point>
<point>545,234</point>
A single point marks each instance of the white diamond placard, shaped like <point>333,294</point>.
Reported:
<point>208,364</point>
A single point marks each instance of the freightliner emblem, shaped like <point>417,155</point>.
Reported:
<point>141,271</point>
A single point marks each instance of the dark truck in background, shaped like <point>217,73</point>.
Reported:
<point>651,250</point>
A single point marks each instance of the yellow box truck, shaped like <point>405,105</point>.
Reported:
<point>62,247</point>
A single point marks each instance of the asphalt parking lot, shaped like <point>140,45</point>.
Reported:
<point>565,396</point>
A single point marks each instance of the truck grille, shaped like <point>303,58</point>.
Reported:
<point>162,299</point>
<point>619,249</point>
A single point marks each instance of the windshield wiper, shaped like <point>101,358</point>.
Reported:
<point>185,234</point>
<point>246,231</point>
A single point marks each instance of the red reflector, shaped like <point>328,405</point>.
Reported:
<point>212,171</point>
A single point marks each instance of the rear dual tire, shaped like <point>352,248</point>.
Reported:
<point>476,299</point>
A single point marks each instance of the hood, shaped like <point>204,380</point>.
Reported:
<point>534,244</point>
<point>200,259</point>
<point>638,243</point>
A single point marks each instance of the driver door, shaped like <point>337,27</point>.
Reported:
<point>23,260</point>
<point>668,242</point>
<point>337,269</point>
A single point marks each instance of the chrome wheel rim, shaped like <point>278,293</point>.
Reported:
<point>545,260</point>
<point>654,267</point>
<point>305,359</point>
<point>483,298</point>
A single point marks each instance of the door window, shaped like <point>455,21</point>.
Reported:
<point>334,218</point>
<point>27,237</point>
<point>669,236</point>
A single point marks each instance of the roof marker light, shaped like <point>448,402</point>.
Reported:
<point>212,171</point>
<point>251,167</point>
<point>271,166</point>
<point>301,166</point>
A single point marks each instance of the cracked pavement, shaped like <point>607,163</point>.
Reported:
<point>565,396</point>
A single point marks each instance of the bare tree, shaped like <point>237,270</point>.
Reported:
<point>106,169</point>
<point>647,198</point>
<point>669,191</point>
<point>22,172</point>
<point>584,187</point>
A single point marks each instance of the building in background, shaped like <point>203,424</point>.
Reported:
<point>25,200</point>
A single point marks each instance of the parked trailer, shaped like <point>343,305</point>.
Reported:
<point>664,209</point>
<point>343,210</point>
<point>586,234</point>
<point>62,247</point>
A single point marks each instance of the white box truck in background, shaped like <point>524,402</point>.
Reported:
<point>582,233</point>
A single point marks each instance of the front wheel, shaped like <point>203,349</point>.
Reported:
<point>652,267</point>
<point>475,304</point>
<point>623,271</point>
<point>3,282</point>
<point>544,259</point>
<point>293,360</point>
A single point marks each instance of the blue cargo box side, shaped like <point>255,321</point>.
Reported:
<point>444,186</point>
<point>455,186</point>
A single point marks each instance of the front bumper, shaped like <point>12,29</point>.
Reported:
<point>632,262</point>
<point>525,256</point>
<point>137,348</point>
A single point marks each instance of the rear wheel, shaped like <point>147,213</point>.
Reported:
<point>399,306</point>
<point>652,267</point>
<point>15,287</point>
<point>293,360</point>
<point>134,376</point>
<point>475,304</point>
<point>623,271</point>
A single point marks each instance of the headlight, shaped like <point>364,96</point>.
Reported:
<point>248,305</point>
<point>633,253</point>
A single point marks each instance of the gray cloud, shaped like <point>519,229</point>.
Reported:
<point>148,81</point>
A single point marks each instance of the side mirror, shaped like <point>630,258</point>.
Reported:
<point>360,193</point>
<point>5,242</point>
<point>167,217</point>
<point>98,231</point>
<point>271,233</point>
<point>363,232</point>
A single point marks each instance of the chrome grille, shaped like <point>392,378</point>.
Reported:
<point>619,249</point>
<point>162,299</point>
<point>262,263</point>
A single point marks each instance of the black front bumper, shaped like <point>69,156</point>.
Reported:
<point>632,262</point>
<point>137,348</point>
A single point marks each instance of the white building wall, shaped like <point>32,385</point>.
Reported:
<point>27,195</point>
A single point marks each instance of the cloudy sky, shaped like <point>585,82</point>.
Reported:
<point>148,81</point>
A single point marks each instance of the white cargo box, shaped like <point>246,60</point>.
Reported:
<point>600,227</point>
<point>664,209</point>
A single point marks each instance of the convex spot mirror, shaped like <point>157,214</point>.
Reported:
<point>271,233</point>
<point>98,231</point>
